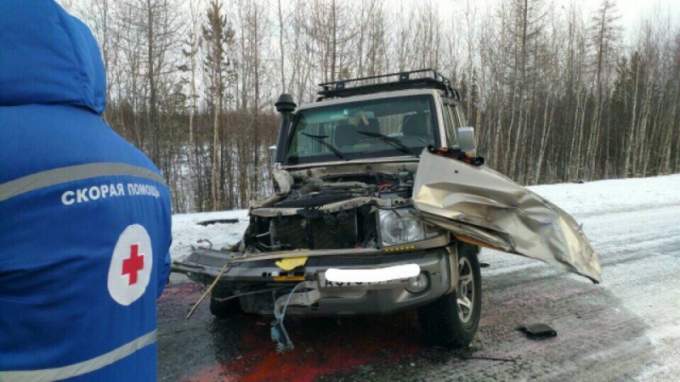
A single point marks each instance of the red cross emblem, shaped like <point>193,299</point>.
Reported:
<point>133,264</point>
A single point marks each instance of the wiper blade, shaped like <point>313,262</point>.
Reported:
<point>394,142</point>
<point>320,139</point>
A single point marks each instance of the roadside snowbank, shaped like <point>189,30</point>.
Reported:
<point>614,195</point>
<point>187,232</point>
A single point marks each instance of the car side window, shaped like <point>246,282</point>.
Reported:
<point>461,117</point>
<point>450,124</point>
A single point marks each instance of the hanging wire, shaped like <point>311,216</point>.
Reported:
<point>279,334</point>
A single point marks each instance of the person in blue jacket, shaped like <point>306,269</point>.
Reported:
<point>84,216</point>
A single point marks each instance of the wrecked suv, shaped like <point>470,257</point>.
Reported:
<point>381,205</point>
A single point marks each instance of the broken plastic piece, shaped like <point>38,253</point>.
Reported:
<point>538,331</point>
<point>291,263</point>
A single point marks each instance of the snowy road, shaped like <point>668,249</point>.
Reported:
<point>627,328</point>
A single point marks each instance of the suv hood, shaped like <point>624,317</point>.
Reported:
<point>481,206</point>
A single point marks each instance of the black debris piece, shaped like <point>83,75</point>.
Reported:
<point>217,221</point>
<point>538,331</point>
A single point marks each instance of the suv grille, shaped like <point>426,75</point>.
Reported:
<point>327,231</point>
<point>314,229</point>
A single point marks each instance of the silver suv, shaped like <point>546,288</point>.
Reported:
<point>381,205</point>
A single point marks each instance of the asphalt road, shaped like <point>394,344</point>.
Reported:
<point>627,328</point>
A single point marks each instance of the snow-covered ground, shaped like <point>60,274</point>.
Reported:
<point>609,196</point>
<point>187,232</point>
<point>634,226</point>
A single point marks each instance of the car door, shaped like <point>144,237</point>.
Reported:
<point>483,207</point>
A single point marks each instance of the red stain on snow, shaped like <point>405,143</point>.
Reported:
<point>181,293</point>
<point>322,347</point>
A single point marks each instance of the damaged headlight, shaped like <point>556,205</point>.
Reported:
<point>401,225</point>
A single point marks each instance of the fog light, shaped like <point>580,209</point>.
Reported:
<point>418,284</point>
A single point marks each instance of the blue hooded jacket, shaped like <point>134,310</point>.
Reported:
<point>84,215</point>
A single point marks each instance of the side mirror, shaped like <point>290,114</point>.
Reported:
<point>466,140</point>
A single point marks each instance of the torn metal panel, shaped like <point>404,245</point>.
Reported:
<point>270,212</point>
<point>267,202</point>
<point>283,180</point>
<point>204,262</point>
<point>483,206</point>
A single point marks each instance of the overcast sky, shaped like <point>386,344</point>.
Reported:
<point>631,11</point>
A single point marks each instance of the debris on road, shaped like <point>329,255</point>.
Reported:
<point>217,221</point>
<point>538,331</point>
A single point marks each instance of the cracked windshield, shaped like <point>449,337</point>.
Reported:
<point>387,127</point>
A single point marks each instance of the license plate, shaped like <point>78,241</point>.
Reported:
<point>348,278</point>
<point>327,284</point>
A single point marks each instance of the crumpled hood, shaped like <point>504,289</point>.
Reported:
<point>48,57</point>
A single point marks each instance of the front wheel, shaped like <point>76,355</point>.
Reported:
<point>453,319</point>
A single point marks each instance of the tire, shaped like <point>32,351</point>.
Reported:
<point>447,323</point>
<point>223,309</point>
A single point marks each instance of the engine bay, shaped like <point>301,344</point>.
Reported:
<point>328,211</point>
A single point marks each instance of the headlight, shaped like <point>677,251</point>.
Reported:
<point>400,226</point>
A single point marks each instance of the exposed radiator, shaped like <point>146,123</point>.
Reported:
<point>323,231</point>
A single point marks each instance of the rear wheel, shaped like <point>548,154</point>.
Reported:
<point>221,306</point>
<point>453,319</point>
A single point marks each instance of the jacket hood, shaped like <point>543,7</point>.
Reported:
<point>48,56</point>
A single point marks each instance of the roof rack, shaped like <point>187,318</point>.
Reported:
<point>415,79</point>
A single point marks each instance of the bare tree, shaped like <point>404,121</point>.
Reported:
<point>218,36</point>
<point>604,34</point>
<point>192,45</point>
<point>282,53</point>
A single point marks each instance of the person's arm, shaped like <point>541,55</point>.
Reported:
<point>165,259</point>
<point>163,274</point>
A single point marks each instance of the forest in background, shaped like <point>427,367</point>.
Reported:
<point>553,91</point>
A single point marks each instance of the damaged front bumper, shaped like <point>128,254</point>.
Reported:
<point>260,271</point>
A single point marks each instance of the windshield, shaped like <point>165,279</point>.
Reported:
<point>368,129</point>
